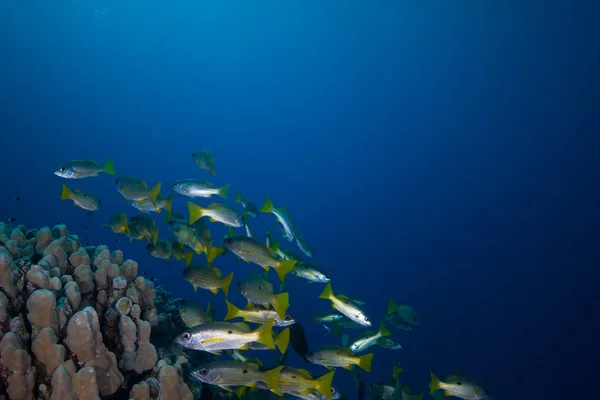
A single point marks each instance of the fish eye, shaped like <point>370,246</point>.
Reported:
<point>332,390</point>
<point>203,371</point>
<point>62,169</point>
<point>117,180</point>
<point>185,335</point>
<point>459,383</point>
<point>287,318</point>
<point>367,319</point>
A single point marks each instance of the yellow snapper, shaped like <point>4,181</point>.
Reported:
<point>346,306</point>
<point>206,277</point>
<point>217,213</point>
<point>118,223</point>
<point>216,336</point>
<point>369,340</point>
<point>292,380</point>
<point>147,206</point>
<point>192,314</point>
<point>247,204</point>
<point>337,356</point>
<point>133,188</point>
<point>198,188</point>
<point>259,315</point>
<point>205,160</point>
<point>144,226</point>
<point>251,250</point>
<point>231,373</point>
<point>283,217</point>
<point>80,198</point>
<point>78,169</point>
<point>459,386</point>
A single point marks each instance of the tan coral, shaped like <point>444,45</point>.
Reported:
<point>172,386</point>
<point>41,308</point>
<point>18,362</point>
<point>47,350</point>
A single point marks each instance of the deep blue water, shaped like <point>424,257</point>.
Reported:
<point>441,153</point>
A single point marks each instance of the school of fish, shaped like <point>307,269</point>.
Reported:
<point>263,324</point>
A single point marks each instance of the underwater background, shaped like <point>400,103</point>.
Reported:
<point>444,154</point>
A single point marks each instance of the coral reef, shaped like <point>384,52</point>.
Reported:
<point>78,323</point>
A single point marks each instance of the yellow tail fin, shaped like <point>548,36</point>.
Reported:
<point>268,206</point>
<point>284,267</point>
<point>435,383</point>
<point>383,331</point>
<point>195,212</point>
<point>224,191</point>
<point>108,166</point>
<point>365,362</point>
<point>188,258</point>
<point>225,283</point>
<point>271,379</point>
<point>283,340</point>
<point>232,311</point>
<point>323,384</point>
<point>327,292</point>
<point>66,193</point>
<point>155,236</point>
<point>265,334</point>
<point>153,194</point>
<point>168,206</point>
<point>281,302</point>
<point>212,253</point>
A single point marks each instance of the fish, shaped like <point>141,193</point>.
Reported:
<point>197,188</point>
<point>206,277</point>
<point>311,272</point>
<point>283,217</point>
<point>388,343</point>
<point>369,340</point>
<point>146,205</point>
<point>251,250</point>
<point>80,198</point>
<point>79,169</point>
<point>257,290</point>
<point>205,160</point>
<point>144,226</point>
<point>230,373</point>
<point>260,316</point>
<point>328,317</point>
<point>346,306</point>
<point>162,249</point>
<point>298,340</point>
<point>216,336</point>
<point>196,237</point>
<point>402,316</point>
<point>132,188</point>
<point>459,386</point>
<point>192,314</point>
<point>247,204</point>
<point>118,223</point>
<point>165,249</point>
<point>178,251</point>
<point>217,213</point>
<point>304,246</point>
<point>292,380</point>
<point>337,356</point>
